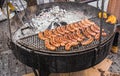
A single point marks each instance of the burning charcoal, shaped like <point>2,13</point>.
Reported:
<point>53,25</point>
<point>50,26</point>
<point>63,23</point>
<point>56,24</point>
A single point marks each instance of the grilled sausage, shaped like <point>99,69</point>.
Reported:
<point>98,31</point>
<point>80,25</point>
<point>66,30</point>
<point>104,34</point>
<point>78,38</point>
<point>55,32</point>
<point>50,33</point>
<point>69,28</point>
<point>97,36</point>
<point>49,46</point>
<point>90,40</point>
<point>94,30</point>
<point>86,33</point>
<point>70,37</point>
<point>46,33</point>
<point>63,29</point>
<point>57,39</point>
<point>90,32</point>
<point>85,25</point>
<point>79,34</point>
<point>59,30</point>
<point>97,27</point>
<point>77,27</point>
<point>89,22</point>
<point>67,40</point>
<point>92,23</point>
<point>52,41</point>
<point>64,42</point>
<point>69,45</point>
<point>41,36</point>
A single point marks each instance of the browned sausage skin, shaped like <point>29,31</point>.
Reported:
<point>87,42</point>
<point>59,30</point>
<point>49,46</point>
<point>41,36</point>
<point>69,45</point>
<point>89,31</point>
<point>69,28</point>
<point>52,41</point>
<point>97,31</point>
<point>89,22</point>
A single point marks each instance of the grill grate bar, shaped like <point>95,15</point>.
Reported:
<point>33,42</point>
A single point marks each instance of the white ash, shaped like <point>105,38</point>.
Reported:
<point>45,19</point>
<point>56,14</point>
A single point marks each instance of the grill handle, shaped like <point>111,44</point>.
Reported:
<point>101,23</point>
<point>96,51</point>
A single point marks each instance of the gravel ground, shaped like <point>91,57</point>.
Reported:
<point>10,66</point>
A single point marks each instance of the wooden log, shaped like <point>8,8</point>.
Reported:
<point>30,74</point>
<point>114,8</point>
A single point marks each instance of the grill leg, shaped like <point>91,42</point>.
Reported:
<point>35,72</point>
<point>43,73</point>
<point>115,42</point>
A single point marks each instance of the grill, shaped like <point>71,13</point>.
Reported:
<point>34,43</point>
<point>31,51</point>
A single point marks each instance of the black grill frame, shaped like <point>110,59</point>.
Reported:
<point>54,62</point>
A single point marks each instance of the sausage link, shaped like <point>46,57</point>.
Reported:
<point>69,45</point>
<point>79,39</point>
<point>63,29</point>
<point>41,36</point>
<point>55,32</point>
<point>79,34</point>
<point>90,32</point>
<point>85,33</point>
<point>97,27</point>
<point>81,25</point>
<point>74,26</point>
<point>97,36</point>
<point>90,40</point>
<point>98,31</point>
<point>85,25</point>
<point>46,33</point>
<point>69,28</point>
<point>59,30</point>
<point>77,27</point>
<point>94,30</point>
<point>89,22</point>
<point>52,41</point>
<point>49,46</point>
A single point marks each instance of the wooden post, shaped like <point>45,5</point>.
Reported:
<point>114,8</point>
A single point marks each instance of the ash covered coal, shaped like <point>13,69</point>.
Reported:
<point>55,15</point>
